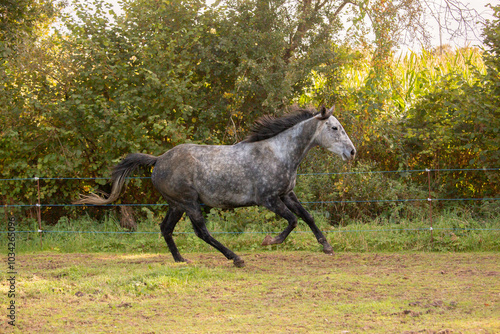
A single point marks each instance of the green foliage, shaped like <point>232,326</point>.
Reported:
<point>20,21</point>
<point>368,194</point>
<point>423,111</point>
<point>453,127</point>
<point>491,34</point>
<point>490,117</point>
<point>253,62</point>
<point>453,123</point>
<point>90,99</point>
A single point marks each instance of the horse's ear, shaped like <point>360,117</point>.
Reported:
<point>325,113</point>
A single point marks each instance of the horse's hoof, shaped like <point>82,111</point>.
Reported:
<point>183,260</point>
<point>268,240</point>
<point>328,251</point>
<point>239,263</point>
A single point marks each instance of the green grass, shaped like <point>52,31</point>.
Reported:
<point>244,230</point>
<point>277,292</point>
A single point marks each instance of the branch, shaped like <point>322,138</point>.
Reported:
<point>342,5</point>
<point>306,22</point>
<point>454,17</point>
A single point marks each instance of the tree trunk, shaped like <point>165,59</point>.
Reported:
<point>127,219</point>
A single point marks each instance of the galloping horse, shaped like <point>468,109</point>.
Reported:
<point>260,170</point>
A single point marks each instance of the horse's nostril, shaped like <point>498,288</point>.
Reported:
<point>353,152</point>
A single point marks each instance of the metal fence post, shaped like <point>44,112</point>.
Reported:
<point>429,199</point>
<point>39,211</point>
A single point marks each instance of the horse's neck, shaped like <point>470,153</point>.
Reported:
<point>293,144</point>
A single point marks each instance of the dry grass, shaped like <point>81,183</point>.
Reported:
<point>277,292</point>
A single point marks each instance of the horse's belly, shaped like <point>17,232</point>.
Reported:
<point>227,197</point>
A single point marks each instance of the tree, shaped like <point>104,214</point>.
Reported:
<point>268,50</point>
<point>456,125</point>
<point>79,99</point>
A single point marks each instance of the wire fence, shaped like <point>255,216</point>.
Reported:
<point>429,200</point>
<point>300,174</point>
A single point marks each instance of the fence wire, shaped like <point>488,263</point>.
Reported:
<point>429,200</point>
<point>300,174</point>
<point>318,202</point>
<point>428,229</point>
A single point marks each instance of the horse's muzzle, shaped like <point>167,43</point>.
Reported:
<point>349,154</point>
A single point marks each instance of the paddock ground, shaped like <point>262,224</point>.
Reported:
<point>277,292</point>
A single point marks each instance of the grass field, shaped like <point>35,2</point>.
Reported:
<point>277,292</point>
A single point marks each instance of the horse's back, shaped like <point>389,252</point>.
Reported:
<point>204,173</point>
<point>217,175</point>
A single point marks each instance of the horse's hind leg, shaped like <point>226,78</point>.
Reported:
<point>167,228</point>
<point>201,231</point>
<point>277,206</point>
<point>292,202</point>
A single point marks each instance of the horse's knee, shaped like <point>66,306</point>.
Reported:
<point>201,232</point>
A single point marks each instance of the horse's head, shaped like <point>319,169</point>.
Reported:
<point>331,135</point>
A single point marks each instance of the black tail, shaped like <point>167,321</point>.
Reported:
<point>120,173</point>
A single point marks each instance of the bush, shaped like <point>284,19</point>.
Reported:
<point>363,193</point>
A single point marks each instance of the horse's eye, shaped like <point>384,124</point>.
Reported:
<point>335,128</point>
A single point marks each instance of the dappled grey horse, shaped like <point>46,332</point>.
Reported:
<point>260,170</point>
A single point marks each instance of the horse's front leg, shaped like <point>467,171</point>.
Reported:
<point>277,206</point>
<point>292,202</point>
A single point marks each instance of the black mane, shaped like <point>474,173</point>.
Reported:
<point>269,126</point>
